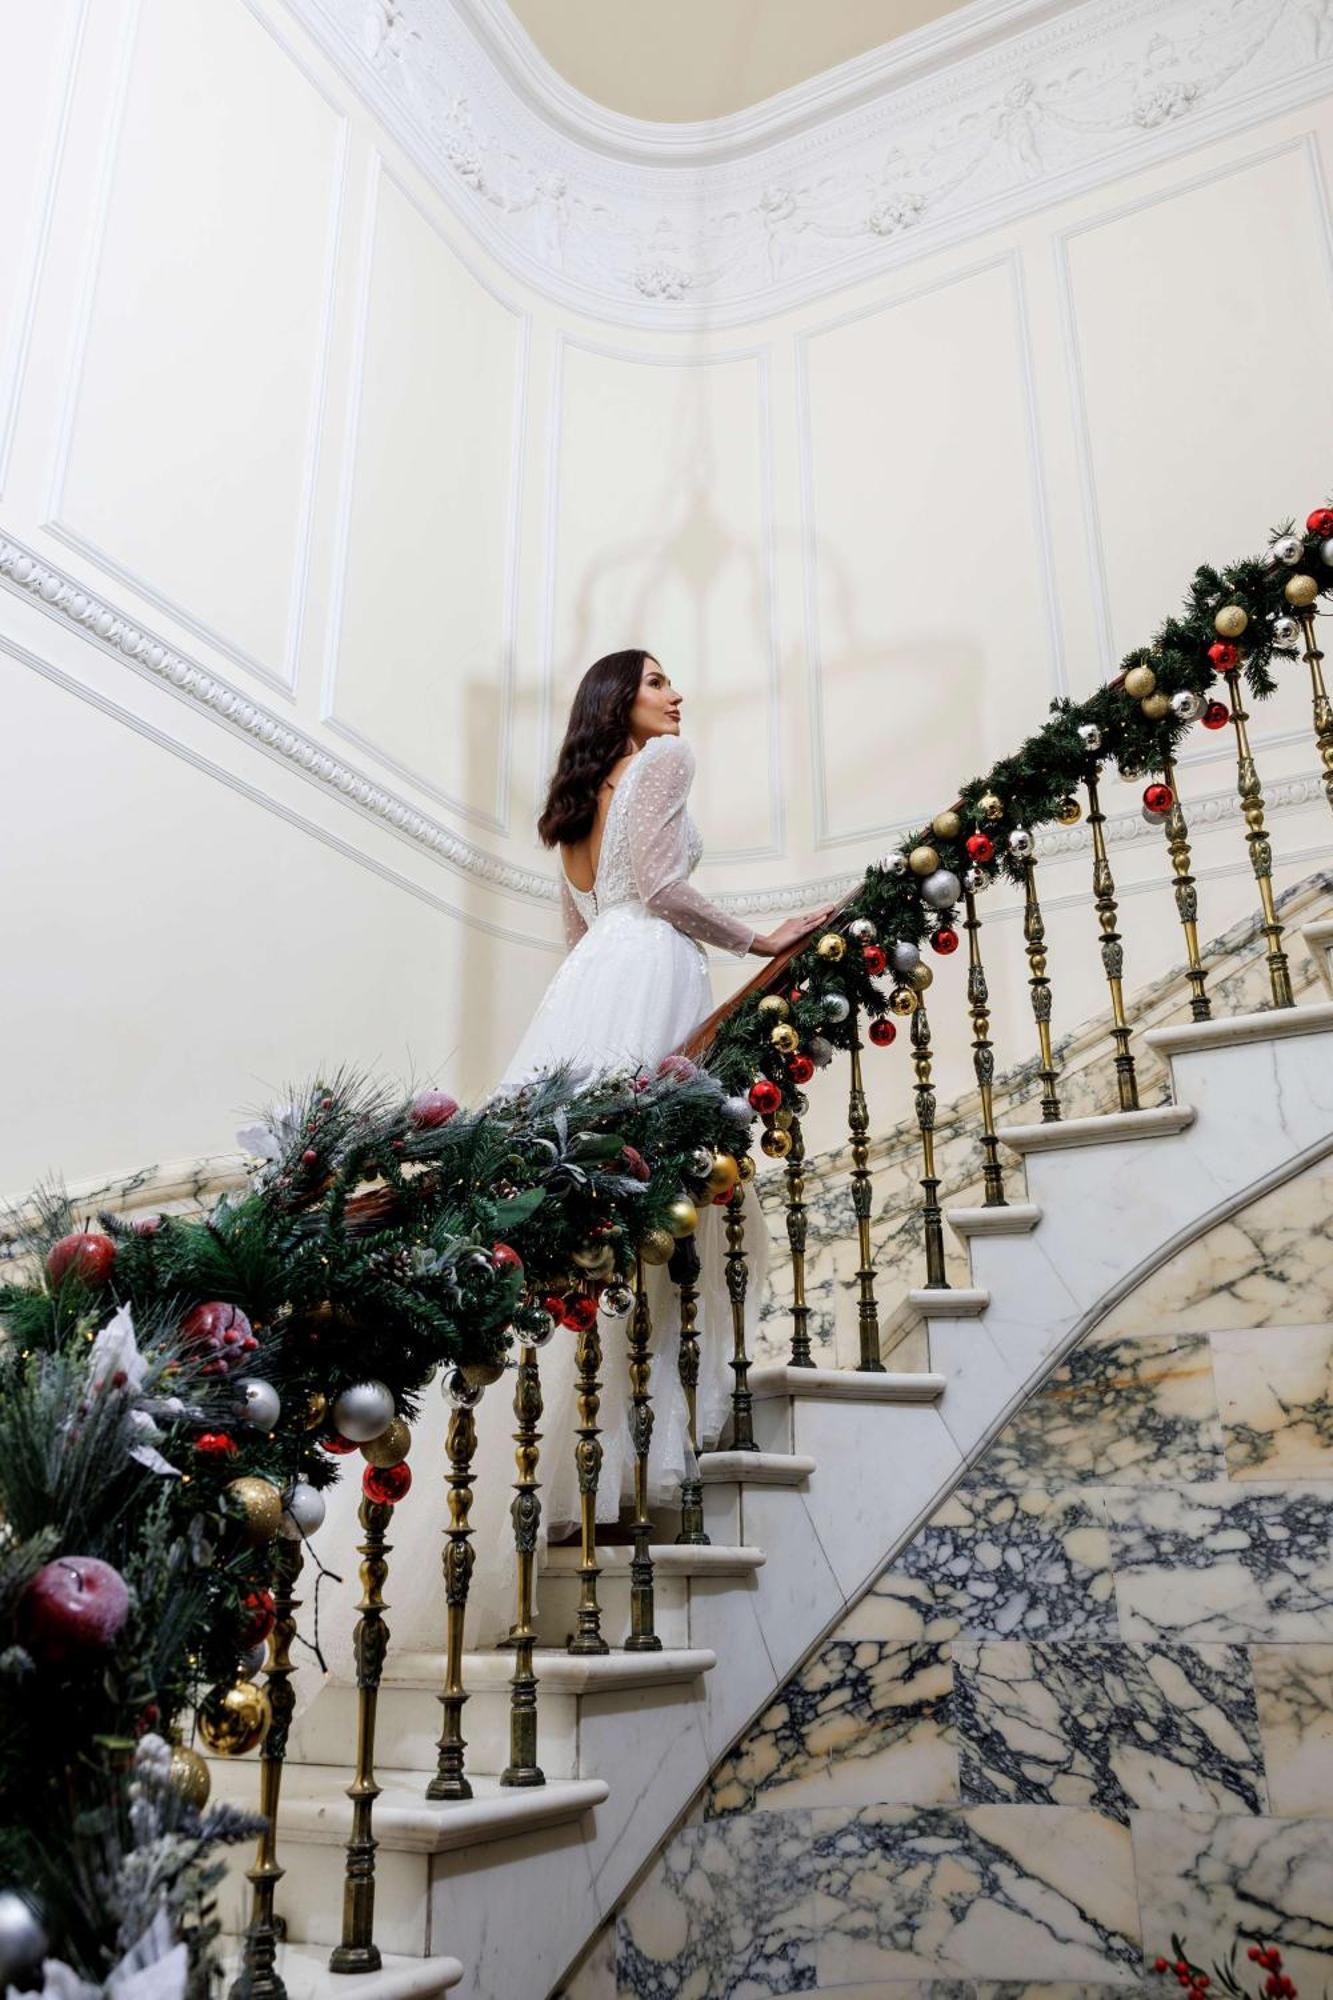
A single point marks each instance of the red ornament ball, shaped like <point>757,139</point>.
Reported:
<point>801,1067</point>
<point>1223,656</point>
<point>72,1611</point>
<point>309,1157</point>
<point>1320,523</point>
<point>679,1067</point>
<point>765,1096</point>
<point>219,1334</point>
<point>338,1444</point>
<point>386,1483</point>
<point>635,1163</point>
<point>261,1617</point>
<point>431,1108</point>
<point>875,961</point>
<point>87,1254</point>
<point>882,1033</point>
<point>980,848</point>
<point>504,1257</point>
<point>944,940</point>
<point>1158,798</point>
<point>1216,715</point>
<point>215,1444</point>
<point>579,1313</point>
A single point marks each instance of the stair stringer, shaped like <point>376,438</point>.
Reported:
<point>1112,1212</point>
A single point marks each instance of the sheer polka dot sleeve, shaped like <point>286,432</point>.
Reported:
<point>570,914</point>
<point>659,847</point>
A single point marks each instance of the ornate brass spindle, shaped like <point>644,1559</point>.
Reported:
<point>642,1638</point>
<point>1187,901</point>
<point>258,1978</point>
<point>358,1951</point>
<point>526,1513</point>
<point>588,1461</point>
<point>801,1356</point>
<point>738,1280</point>
<point>858,1121</point>
<point>983,1056</point>
<point>1113,955</point>
<point>684,1269</point>
<point>924,1093</point>
<point>1323,709</point>
<point>1261,851</point>
<point>450,1781</point>
<point>1034,932</point>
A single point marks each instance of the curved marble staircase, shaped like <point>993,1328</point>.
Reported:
<point>513,1883</point>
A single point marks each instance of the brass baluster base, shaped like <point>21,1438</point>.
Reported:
<point>523,1768</point>
<point>932,1218</point>
<point>1321,706</point>
<point>1261,852</point>
<point>642,1638</point>
<point>587,1637</point>
<point>684,1270</point>
<point>737,1272</point>
<point>983,1058</point>
<point>258,1978</point>
<point>801,1353</point>
<point>358,1951</point>
<point>1034,933</point>
<point>1113,955</point>
<point>450,1781</point>
<point>858,1124</point>
<point>1187,899</point>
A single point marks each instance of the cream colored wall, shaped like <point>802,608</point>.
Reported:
<point>261,394</point>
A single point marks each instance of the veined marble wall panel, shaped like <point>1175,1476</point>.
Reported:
<point>422,651</point>
<point>186,460</point>
<point>1199,319</point>
<point>927,604</point>
<point>662,536</point>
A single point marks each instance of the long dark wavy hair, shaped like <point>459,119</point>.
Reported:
<point>596,737</point>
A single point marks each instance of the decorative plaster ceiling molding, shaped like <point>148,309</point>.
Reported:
<point>1008,106</point>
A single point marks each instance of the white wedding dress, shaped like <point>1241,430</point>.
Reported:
<point>633,986</point>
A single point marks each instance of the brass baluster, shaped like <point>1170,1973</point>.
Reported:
<point>924,1093</point>
<point>450,1781</point>
<point>642,1638</point>
<point>588,1461</point>
<point>1323,709</point>
<point>258,1978</point>
<point>738,1279</point>
<point>684,1269</point>
<point>983,1057</point>
<point>1113,954</point>
<point>1187,900</point>
<point>526,1513</point>
<point>1261,851</point>
<point>1034,932</point>
<point>358,1951</point>
<point>801,1355</point>
<point>858,1121</point>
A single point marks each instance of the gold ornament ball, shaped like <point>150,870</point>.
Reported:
<point>785,1039</point>
<point>1069,812</point>
<point>783,1117</point>
<point>390,1447</point>
<point>189,1776</point>
<point>481,1374</point>
<point>745,1168</point>
<point>1140,682</point>
<point>1156,707</point>
<point>921,976</point>
<point>776,1144</point>
<point>682,1217</point>
<point>723,1174</point>
<point>774,1006</point>
<point>233,1719</point>
<point>657,1246</point>
<point>946,825</point>
<point>923,860</point>
<point>1301,591</point>
<point>903,1000</point>
<point>991,806</point>
<point>1230,621</point>
<point>316,1409</point>
<point>831,947</point>
<point>257,1505</point>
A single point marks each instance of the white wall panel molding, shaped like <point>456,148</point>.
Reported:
<point>278,671</point>
<point>496,818</point>
<point>937,139</point>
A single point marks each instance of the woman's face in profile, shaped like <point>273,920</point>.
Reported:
<point>656,710</point>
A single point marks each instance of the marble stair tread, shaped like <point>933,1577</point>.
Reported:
<point>949,1301</point>
<point>1160,1121</point>
<point>754,1468</point>
<point>669,1559</point>
<point>557,1671</point>
<point>315,1808</point>
<point>304,1971</point>
<point>1318,941</point>
<point>844,1385</point>
<point>1272,1024</point>
<point>1015,1218</point>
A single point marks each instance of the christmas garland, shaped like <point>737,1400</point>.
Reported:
<point>1236,621</point>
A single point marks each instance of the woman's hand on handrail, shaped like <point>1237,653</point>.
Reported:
<point>790,931</point>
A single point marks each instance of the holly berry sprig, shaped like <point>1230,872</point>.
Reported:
<point>1195,1981</point>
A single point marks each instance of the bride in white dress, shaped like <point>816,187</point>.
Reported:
<point>634,985</point>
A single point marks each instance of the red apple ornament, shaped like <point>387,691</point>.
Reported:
<point>72,1612</point>
<point>431,1108</point>
<point>89,1255</point>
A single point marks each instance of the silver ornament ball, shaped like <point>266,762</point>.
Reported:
<point>739,1110</point>
<point>458,1392</point>
<point>700,1164</point>
<point>1187,705</point>
<point>258,1403</point>
<point>1268,560</point>
<point>365,1410</point>
<point>254,1661</point>
<point>819,1051</point>
<point>1285,631</point>
<point>1289,549</point>
<point>616,1302</point>
<point>537,1334</point>
<point>862,930</point>
<point>23,1941</point>
<point>302,1511</point>
<point>1326,552</point>
<point>1090,736</point>
<point>800,1103</point>
<point>942,889</point>
<point>1021,843</point>
<point>903,956</point>
<point>975,881</point>
<point>895,863</point>
<point>836,1007</point>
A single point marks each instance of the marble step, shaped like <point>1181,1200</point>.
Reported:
<point>844,1385</point>
<point>1269,1025</point>
<point>754,1468</point>
<point>727,1476</point>
<point>304,1971</point>
<point>1015,1218</point>
<point>416,1837</point>
<point>677,1569</point>
<point>1161,1121</point>
<point>949,1301</point>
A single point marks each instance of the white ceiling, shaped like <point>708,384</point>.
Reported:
<point>681,60</point>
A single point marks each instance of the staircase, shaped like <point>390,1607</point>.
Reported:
<point>513,1883</point>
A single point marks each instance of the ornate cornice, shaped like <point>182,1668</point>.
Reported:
<point>1008,106</point>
